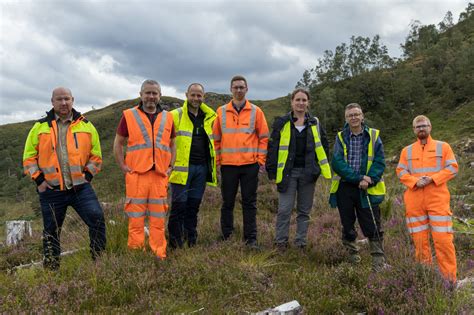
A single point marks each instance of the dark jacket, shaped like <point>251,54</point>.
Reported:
<point>311,161</point>
<point>340,166</point>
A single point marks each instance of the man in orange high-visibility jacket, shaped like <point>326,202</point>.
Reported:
<point>425,167</point>
<point>240,140</point>
<point>148,131</point>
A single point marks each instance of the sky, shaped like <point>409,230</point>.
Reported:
<point>103,50</point>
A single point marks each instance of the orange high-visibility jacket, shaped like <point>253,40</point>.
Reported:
<point>240,138</point>
<point>435,159</point>
<point>40,159</point>
<point>148,144</point>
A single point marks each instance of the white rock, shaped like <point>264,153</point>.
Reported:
<point>290,308</point>
<point>16,231</point>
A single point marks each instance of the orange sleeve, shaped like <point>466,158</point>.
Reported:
<point>406,178</point>
<point>263,135</point>
<point>217,134</point>
<point>449,168</point>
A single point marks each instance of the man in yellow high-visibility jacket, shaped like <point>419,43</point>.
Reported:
<point>195,165</point>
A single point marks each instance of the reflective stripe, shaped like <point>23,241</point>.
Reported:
<point>159,136</point>
<point>180,168</point>
<point>32,168</point>
<point>145,135</point>
<point>53,182</point>
<point>136,201</point>
<point>92,168</point>
<point>143,201</point>
<point>445,229</point>
<point>263,136</point>
<point>135,214</point>
<point>374,135</point>
<point>450,162</point>
<point>416,219</point>
<point>418,228</point>
<point>157,214</point>
<point>184,133</point>
<point>336,177</point>
<point>263,151</point>
<point>251,127</point>
<point>283,147</point>
<point>78,181</point>
<point>318,144</point>
<point>370,158</point>
<point>401,165</point>
<point>403,173</point>
<point>211,137</point>
<point>157,201</point>
<point>325,161</point>
<point>452,169</point>
<point>146,213</point>
<point>48,170</point>
<point>75,168</point>
<point>163,147</point>
<point>97,164</point>
<point>440,218</point>
<point>241,150</point>
<point>217,137</point>
<point>281,164</point>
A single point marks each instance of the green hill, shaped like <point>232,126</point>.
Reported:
<point>434,78</point>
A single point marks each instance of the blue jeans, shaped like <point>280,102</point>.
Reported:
<point>186,200</point>
<point>54,204</point>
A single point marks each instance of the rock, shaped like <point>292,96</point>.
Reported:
<point>290,308</point>
<point>467,206</point>
<point>16,231</point>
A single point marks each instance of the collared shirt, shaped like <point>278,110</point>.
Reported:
<point>122,128</point>
<point>354,153</point>
<point>238,109</point>
<point>61,150</point>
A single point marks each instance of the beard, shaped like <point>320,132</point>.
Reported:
<point>422,135</point>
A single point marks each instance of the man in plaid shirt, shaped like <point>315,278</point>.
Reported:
<point>358,188</point>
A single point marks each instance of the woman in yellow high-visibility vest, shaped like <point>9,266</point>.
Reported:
<point>297,155</point>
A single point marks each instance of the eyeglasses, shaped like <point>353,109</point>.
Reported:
<point>422,126</point>
<point>354,115</point>
<point>239,88</point>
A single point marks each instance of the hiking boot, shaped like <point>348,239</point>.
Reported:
<point>378,255</point>
<point>353,249</point>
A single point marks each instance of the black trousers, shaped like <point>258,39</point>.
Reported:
<point>349,206</point>
<point>247,176</point>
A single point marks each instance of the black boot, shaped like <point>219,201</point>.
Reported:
<point>378,255</point>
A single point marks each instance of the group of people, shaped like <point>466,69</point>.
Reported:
<point>188,145</point>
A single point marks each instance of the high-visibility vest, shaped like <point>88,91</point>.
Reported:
<point>148,144</point>
<point>285,136</point>
<point>83,147</point>
<point>240,138</point>
<point>184,135</point>
<point>377,190</point>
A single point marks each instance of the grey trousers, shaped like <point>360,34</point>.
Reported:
<point>301,187</point>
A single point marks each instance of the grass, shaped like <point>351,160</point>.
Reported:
<point>225,277</point>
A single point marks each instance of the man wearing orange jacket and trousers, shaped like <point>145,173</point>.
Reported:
<point>425,167</point>
<point>240,139</point>
<point>148,131</point>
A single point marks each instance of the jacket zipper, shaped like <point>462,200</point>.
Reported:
<point>75,140</point>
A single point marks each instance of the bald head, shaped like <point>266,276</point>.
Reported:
<point>61,90</point>
<point>62,101</point>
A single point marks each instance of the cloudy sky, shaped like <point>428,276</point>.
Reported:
<point>103,50</point>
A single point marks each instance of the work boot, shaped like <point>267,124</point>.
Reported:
<point>353,249</point>
<point>378,255</point>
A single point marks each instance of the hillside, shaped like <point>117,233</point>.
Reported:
<point>434,78</point>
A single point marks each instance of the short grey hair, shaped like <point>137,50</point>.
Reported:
<point>353,105</point>
<point>150,82</point>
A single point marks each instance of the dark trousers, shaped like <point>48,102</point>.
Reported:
<point>247,177</point>
<point>185,203</point>
<point>54,204</point>
<point>349,206</point>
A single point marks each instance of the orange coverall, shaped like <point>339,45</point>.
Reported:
<point>428,207</point>
<point>149,156</point>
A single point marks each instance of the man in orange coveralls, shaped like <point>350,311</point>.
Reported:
<point>425,167</point>
<point>148,132</point>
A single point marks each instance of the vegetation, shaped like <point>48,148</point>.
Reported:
<point>433,77</point>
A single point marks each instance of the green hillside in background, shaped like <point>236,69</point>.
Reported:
<point>435,77</point>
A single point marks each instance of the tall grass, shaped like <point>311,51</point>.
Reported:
<point>218,277</point>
